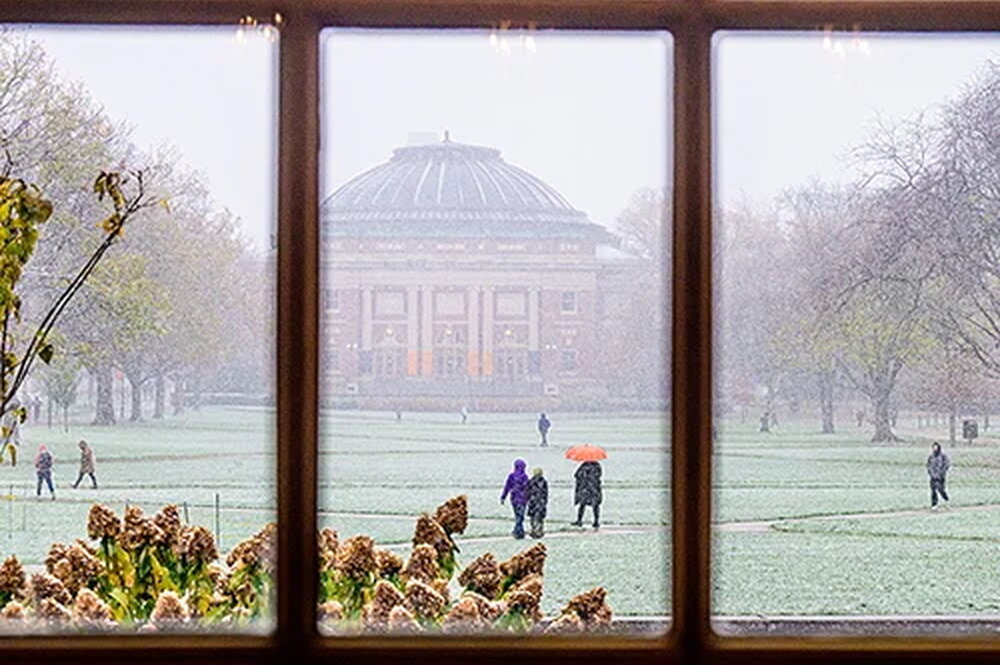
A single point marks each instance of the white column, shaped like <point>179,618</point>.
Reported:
<point>472,321</point>
<point>427,332</point>
<point>488,331</point>
<point>412,332</point>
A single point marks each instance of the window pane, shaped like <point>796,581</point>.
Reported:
<point>494,221</point>
<point>857,271</point>
<point>150,398</point>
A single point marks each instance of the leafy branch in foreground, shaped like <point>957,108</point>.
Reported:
<point>22,209</point>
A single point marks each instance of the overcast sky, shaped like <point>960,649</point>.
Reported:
<point>586,113</point>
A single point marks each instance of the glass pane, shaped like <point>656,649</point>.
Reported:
<point>493,225</point>
<point>857,267</point>
<point>138,437</point>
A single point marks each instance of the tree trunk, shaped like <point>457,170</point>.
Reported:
<point>50,412</point>
<point>160,396</point>
<point>952,422</point>
<point>883,422</point>
<point>826,401</point>
<point>66,419</point>
<point>135,414</point>
<point>178,397</point>
<point>986,421</point>
<point>104,412</point>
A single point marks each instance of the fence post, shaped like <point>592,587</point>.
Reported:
<point>187,517</point>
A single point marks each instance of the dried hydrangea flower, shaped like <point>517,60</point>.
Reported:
<point>12,576</point>
<point>328,544</point>
<point>13,611</point>
<point>402,621</point>
<point>482,576</point>
<point>423,600</point>
<point>53,613</point>
<point>138,531</point>
<point>529,562</point>
<point>490,610</point>
<point>423,564</point>
<point>76,568</point>
<point>356,557</point>
<point>267,542</point>
<point>196,543</point>
<point>428,531</point>
<point>168,520</point>
<point>45,586</point>
<point>453,515</point>
<point>258,550</point>
<point>86,547</point>
<point>170,611</point>
<point>103,523</point>
<point>524,602</point>
<point>566,624</point>
<point>387,563</point>
<point>375,613</point>
<point>591,607</point>
<point>57,551</point>
<point>441,586</point>
<point>331,610</point>
<point>464,617</point>
<point>533,584</point>
<point>92,612</point>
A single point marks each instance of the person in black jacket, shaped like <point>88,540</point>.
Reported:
<point>544,425</point>
<point>588,492</point>
<point>538,501</point>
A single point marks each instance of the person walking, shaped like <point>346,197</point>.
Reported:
<point>588,492</point>
<point>88,464</point>
<point>538,501</point>
<point>465,414</point>
<point>517,488</point>
<point>544,425</point>
<point>937,466</point>
<point>43,467</point>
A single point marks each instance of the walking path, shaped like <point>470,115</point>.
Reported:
<point>763,526</point>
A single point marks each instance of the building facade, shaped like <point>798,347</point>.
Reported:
<point>450,274</point>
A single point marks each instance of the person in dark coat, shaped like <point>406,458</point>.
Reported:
<point>588,492</point>
<point>88,464</point>
<point>43,467</point>
<point>517,488</point>
<point>538,501</point>
<point>544,425</point>
<point>937,466</point>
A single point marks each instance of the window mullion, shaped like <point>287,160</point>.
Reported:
<point>298,333</point>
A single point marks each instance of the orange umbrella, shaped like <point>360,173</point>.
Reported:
<point>586,452</point>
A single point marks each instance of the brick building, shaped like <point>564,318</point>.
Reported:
<point>450,274</point>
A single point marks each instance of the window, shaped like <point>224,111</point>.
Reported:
<point>567,360</point>
<point>331,300</point>
<point>568,302</point>
<point>299,305</point>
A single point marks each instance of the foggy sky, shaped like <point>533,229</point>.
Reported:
<point>586,113</point>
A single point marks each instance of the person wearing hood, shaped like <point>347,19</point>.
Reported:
<point>937,466</point>
<point>88,464</point>
<point>538,501</point>
<point>43,467</point>
<point>517,488</point>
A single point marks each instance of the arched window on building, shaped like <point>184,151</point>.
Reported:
<point>390,354</point>
<point>511,343</point>
<point>450,347</point>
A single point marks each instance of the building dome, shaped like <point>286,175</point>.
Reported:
<point>449,189</point>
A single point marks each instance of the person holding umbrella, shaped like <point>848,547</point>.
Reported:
<point>588,481</point>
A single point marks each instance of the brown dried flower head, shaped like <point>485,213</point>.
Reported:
<point>196,543</point>
<point>453,514</point>
<point>170,611</point>
<point>423,600</point>
<point>375,613</point>
<point>57,551</point>
<point>258,550</point>
<point>92,612</point>
<point>441,586</point>
<point>529,562</point>
<point>76,568</point>
<point>103,523</point>
<point>12,576</point>
<point>464,617</point>
<point>482,576</point>
<point>168,520</point>
<point>490,610</point>
<point>138,531</point>
<point>387,563</point>
<point>13,611</point>
<point>85,546</point>
<point>429,532</point>
<point>331,610</point>
<point>566,624</point>
<point>533,584</point>
<point>524,602</point>
<point>422,565</point>
<point>402,621</point>
<point>45,586</point>
<point>356,557</point>
<point>328,544</point>
<point>52,612</point>
<point>591,606</point>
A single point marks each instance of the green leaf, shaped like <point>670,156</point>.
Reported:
<point>45,353</point>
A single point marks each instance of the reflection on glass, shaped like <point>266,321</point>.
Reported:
<point>137,440</point>
<point>858,280</point>
<point>493,446</point>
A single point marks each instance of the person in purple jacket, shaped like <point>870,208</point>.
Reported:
<point>517,488</point>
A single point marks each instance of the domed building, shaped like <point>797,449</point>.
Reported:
<point>451,274</point>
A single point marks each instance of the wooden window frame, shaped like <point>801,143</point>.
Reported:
<point>692,24</point>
